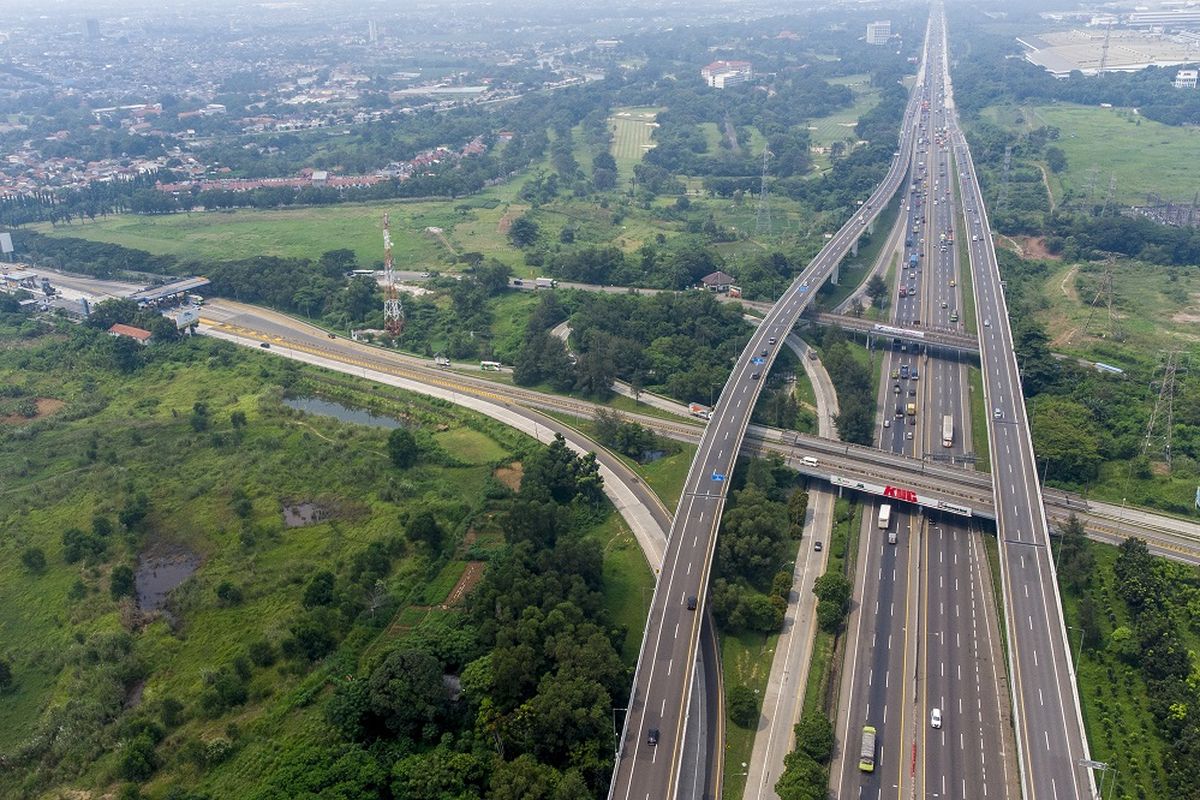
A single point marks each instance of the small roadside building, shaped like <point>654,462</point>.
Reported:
<point>717,281</point>
<point>140,335</point>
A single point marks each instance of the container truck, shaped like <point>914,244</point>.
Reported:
<point>697,410</point>
<point>947,430</point>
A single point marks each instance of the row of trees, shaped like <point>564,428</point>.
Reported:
<point>1158,600</point>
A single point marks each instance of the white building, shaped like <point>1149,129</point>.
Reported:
<point>1187,78</point>
<point>720,74</point>
<point>879,32</point>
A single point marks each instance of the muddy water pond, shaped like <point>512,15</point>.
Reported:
<point>297,515</point>
<point>328,408</point>
<point>159,571</point>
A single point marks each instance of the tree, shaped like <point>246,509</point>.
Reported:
<point>126,353</point>
<point>6,676</point>
<point>101,526</point>
<point>78,545</point>
<point>237,419</point>
<point>199,418</point>
<point>814,736</point>
<point>877,290</point>
<point>402,448</point>
<point>319,591</point>
<point>34,559</point>
<point>423,527</point>
<point>742,705</point>
<point>1066,439</point>
<point>833,591</point>
<point>137,760</point>
<point>1056,159</point>
<point>523,232</point>
<point>121,583</point>
<point>406,691</point>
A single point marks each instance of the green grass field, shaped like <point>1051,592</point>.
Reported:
<point>1142,155</point>
<point>839,126</point>
<point>631,127</point>
<point>746,661</point>
<point>297,232</point>
<point>1156,307</point>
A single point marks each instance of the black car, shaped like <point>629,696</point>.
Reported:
<point>691,602</point>
<point>264,344</point>
<point>652,737</point>
<point>755,376</point>
<point>764,352</point>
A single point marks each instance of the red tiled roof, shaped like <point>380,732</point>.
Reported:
<point>120,329</point>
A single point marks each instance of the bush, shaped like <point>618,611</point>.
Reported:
<point>229,594</point>
<point>138,760</point>
<point>121,582</point>
<point>34,559</point>
<point>262,653</point>
<point>742,705</point>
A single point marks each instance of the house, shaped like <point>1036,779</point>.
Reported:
<point>140,335</point>
<point>717,281</point>
<point>1187,79</point>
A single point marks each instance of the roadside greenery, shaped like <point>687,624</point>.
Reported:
<point>1132,619</point>
<point>323,657</point>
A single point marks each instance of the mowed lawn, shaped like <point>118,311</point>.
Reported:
<point>839,126</point>
<point>631,129</point>
<point>1144,156</point>
<point>293,232</point>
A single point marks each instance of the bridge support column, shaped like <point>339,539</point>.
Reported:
<point>837,271</point>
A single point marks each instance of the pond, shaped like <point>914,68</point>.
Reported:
<point>161,570</point>
<point>328,408</point>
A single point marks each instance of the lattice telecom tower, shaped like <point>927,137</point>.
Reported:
<point>762,222</point>
<point>393,309</point>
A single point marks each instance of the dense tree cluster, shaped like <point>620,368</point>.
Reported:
<point>679,344</point>
<point>534,659</point>
<point>752,584</point>
<point>852,379</point>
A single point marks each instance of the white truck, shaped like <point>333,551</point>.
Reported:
<point>885,521</point>
<point>947,430</point>
<point>545,283</point>
<point>697,410</point>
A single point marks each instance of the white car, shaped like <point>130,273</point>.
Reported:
<point>987,323</point>
<point>887,423</point>
<point>935,718</point>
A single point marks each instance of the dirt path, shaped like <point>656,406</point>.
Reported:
<point>1046,183</point>
<point>1071,292</point>
<point>731,137</point>
<point>440,235</point>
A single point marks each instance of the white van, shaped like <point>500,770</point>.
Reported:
<point>808,461</point>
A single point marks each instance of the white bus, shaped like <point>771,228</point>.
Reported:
<point>885,516</point>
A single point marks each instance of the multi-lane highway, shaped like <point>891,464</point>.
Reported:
<point>1049,727</point>
<point>961,672</point>
<point>648,760</point>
